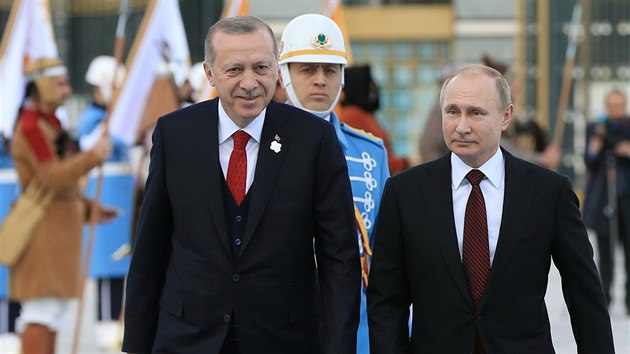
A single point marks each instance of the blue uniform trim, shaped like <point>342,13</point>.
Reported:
<point>368,170</point>
<point>9,191</point>
<point>362,133</point>
<point>90,119</point>
<point>118,192</point>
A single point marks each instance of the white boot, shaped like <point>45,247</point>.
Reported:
<point>10,343</point>
<point>108,336</point>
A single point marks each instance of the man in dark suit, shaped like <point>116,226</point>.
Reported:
<point>607,158</point>
<point>477,279</point>
<point>229,267</point>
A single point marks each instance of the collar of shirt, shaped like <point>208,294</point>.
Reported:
<point>494,169</point>
<point>493,191</point>
<point>227,127</point>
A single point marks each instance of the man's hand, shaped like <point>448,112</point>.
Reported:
<point>106,214</point>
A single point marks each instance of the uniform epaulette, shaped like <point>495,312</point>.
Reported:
<point>362,133</point>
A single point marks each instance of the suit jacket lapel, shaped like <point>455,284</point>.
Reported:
<point>519,192</point>
<point>209,172</point>
<point>439,196</point>
<point>267,168</point>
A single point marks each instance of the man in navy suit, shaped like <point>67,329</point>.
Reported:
<point>270,269</point>
<point>475,269</point>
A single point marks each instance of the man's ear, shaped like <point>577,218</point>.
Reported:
<point>280,78</point>
<point>208,71</point>
<point>507,117</point>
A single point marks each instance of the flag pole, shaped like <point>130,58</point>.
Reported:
<point>567,76</point>
<point>119,46</point>
<point>6,36</point>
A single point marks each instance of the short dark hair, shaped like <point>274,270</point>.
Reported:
<point>236,25</point>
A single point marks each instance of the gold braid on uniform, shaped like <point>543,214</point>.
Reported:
<point>367,251</point>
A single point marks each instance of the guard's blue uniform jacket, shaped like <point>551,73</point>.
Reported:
<point>117,192</point>
<point>367,166</point>
<point>9,191</point>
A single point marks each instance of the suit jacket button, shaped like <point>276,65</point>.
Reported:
<point>227,318</point>
<point>236,277</point>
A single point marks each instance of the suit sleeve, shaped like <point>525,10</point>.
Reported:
<point>150,256</point>
<point>387,293</point>
<point>573,256</point>
<point>336,249</point>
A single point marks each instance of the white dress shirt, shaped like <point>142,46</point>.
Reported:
<point>493,189</point>
<point>227,128</point>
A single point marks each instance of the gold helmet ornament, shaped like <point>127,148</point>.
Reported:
<point>311,38</point>
<point>41,71</point>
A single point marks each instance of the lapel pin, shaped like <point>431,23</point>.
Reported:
<point>275,146</point>
<point>276,138</point>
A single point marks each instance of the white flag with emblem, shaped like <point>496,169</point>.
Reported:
<point>161,34</point>
<point>28,36</point>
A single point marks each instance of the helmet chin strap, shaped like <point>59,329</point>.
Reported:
<point>286,79</point>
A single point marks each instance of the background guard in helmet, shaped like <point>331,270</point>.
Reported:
<point>312,62</point>
<point>107,267</point>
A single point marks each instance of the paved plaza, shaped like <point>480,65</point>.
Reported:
<point>558,314</point>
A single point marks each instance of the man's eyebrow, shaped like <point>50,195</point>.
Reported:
<point>475,108</point>
<point>450,106</point>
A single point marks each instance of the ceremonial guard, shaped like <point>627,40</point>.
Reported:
<point>109,262</point>
<point>312,60</point>
<point>46,277</point>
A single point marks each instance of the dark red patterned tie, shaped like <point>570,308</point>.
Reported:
<point>237,168</point>
<point>476,249</point>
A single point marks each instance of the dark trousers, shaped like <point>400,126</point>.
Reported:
<point>110,296</point>
<point>606,250</point>
<point>9,311</point>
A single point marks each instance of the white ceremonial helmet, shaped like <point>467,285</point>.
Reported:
<point>177,70</point>
<point>100,73</point>
<point>311,38</point>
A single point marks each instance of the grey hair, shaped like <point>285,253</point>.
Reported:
<point>236,25</point>
<point>504,97</point>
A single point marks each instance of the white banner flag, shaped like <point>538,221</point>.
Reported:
<point>28,36</point>
<point>233,8</point>
<point>162,31</point>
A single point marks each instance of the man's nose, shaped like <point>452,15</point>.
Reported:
<point>462,125</point>
<point>249,80</point>
<point>320,77</point>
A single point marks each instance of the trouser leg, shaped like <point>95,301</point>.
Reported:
<point>605,262</point>
<point>36,340</point>
<point>624,236</point>
<point>52,341</point>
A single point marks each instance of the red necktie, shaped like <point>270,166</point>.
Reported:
<point>237,168</point>
<point>476,248</point>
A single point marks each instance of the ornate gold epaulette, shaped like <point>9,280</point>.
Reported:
<point>362,132</point>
